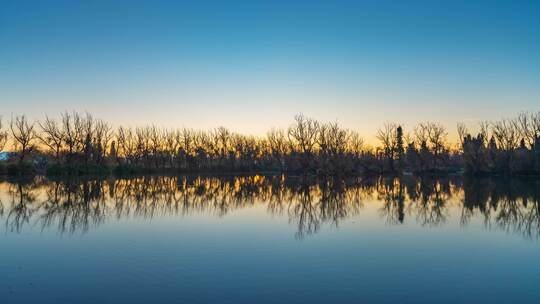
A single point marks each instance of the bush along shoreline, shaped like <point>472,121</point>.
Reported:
<point>77,145</point>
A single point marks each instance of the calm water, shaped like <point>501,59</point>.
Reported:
<point>270,240</point>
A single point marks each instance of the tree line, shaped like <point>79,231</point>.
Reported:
<point>79,143</point>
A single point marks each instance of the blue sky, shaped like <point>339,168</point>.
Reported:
<point>250,65</point>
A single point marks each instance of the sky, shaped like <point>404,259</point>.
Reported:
<point>253,65</point>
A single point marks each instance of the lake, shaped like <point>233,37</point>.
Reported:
<point>270,239</point>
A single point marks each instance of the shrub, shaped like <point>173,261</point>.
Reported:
<point>77,170</point>
<point>20,169</point>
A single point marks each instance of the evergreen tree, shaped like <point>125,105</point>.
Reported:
<point>399,148</point>
<point>522,144</point>
<point>425,157</point>
<point>113,151</point>
<point>411,157</point>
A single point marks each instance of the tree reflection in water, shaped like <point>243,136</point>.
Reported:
<point>78,205</point>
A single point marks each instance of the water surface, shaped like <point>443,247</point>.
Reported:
<point>263,239</point>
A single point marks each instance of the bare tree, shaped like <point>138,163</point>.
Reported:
<point>333,138</point>
<point>85,126</point>
<point>103,135</point>
<point>528,126</point>
<point>462,133</point>
<point>202,148</point>
<point>303,133</point>
<point>127,145</point>
<point>387,135</point>
<point>51,136</point>
<point>437,138</point>
<point>23,135</point>
<point>3,136</point>
<point>535,122</point>
<point>142,139</point>
<point>186,147</point>
<point>221,143</point>
<point>277,142</point>
<point>421,134</point>
<point>506,133</point>
<point>485,127</point>
<point>303,137</point>
<point>71,133</point>
<point>171,143</point>
<point>156,144</point>
<point>355,143</point>
<point>187,141</point>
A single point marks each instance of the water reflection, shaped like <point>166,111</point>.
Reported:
<point>73,206</point>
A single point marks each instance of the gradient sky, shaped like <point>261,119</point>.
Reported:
<point>250,65</point>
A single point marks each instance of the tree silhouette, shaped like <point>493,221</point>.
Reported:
<point>3,136</point>
<point>82,144</point>
<point>23,135</point>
